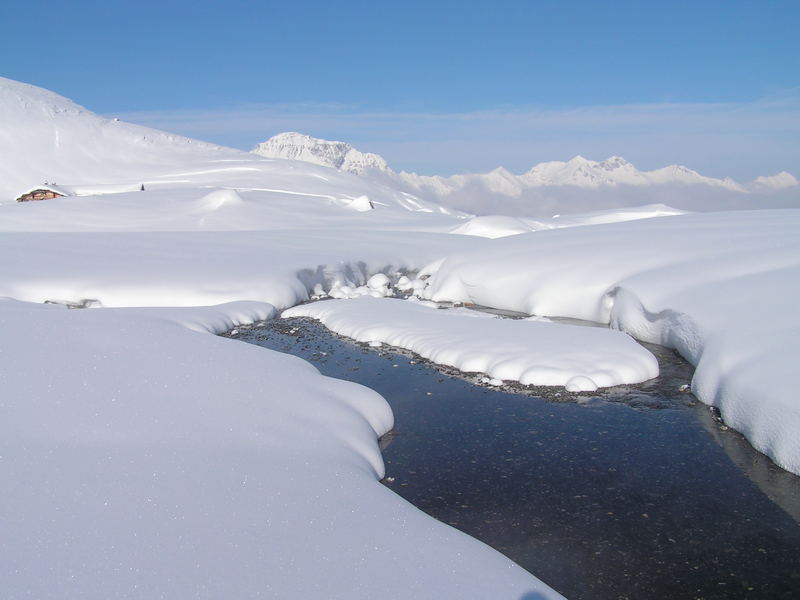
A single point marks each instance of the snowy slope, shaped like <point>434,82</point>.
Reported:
<point>152,459</point>
<point>45,137</point>
<point>548,188</point>
<point>721,288</point>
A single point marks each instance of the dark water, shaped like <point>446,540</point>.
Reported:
<point>637,493</point>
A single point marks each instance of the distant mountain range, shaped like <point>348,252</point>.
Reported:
<point>585,183</point>
<point>45,137</point>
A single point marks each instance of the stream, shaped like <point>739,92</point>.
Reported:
<point>633,492</point>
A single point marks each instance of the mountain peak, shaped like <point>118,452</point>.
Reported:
<point>337,155</point>
<point>578,172</point>
<point>616,162</point>
<point>778,181</point>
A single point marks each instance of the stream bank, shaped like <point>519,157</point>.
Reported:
<point>632,492</point>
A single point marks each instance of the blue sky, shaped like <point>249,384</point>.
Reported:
<point>437,87</point>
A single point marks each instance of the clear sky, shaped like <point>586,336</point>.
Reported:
<point>437,86</point>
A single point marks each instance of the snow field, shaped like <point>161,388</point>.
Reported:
<point>148,458</point>
<point>530,352</point>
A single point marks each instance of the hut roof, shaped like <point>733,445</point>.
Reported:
<point>49,187</point>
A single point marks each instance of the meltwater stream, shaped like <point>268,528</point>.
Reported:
<point>637,492</point>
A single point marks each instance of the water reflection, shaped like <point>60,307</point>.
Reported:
<point>632,493</point>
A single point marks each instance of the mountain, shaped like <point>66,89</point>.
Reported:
<point>46,138</point>
<point>338,155</point>
<point>616,170</point>
<point>779,181</point>
<point>547,188</point>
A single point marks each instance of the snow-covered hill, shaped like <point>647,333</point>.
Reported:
<point>548,188</point>
<point>45,137</point>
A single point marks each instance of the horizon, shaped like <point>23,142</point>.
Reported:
<point>441,89</point>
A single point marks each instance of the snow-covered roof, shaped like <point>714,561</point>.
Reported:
<point>49,187</point>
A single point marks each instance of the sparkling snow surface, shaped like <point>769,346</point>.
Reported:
<point>147,458</point>
<point>531,352</point>
<point>142,459</point>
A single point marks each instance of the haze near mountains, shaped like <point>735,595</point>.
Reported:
<point>551,187</point>
<point>46,137</point>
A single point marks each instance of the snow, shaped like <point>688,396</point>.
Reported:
<point>554,187</point>
<point>49,187</point>
<point>144,459</point>
<point>337,155</point>
<point>150,458</point>
<point>495,226</point>
<point>530,352</point>
<point>720,288</point>
<point>778,181</point>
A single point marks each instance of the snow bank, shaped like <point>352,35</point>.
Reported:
<point>721,288</point>
<point>530,352</point>
<point>147,460</point>
<point>495,226</point>
<point>206,268</point>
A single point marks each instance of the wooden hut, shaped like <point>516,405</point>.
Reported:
<point>43,192</point>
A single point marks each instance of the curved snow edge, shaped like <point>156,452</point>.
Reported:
<point>536,353</point>
<point>769,432</point>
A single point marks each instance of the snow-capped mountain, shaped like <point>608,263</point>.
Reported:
<point>547,188</point>
<point>338,155</point>
<point>586,173</point>
<point>579,171</point>
<point>778,181</point>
